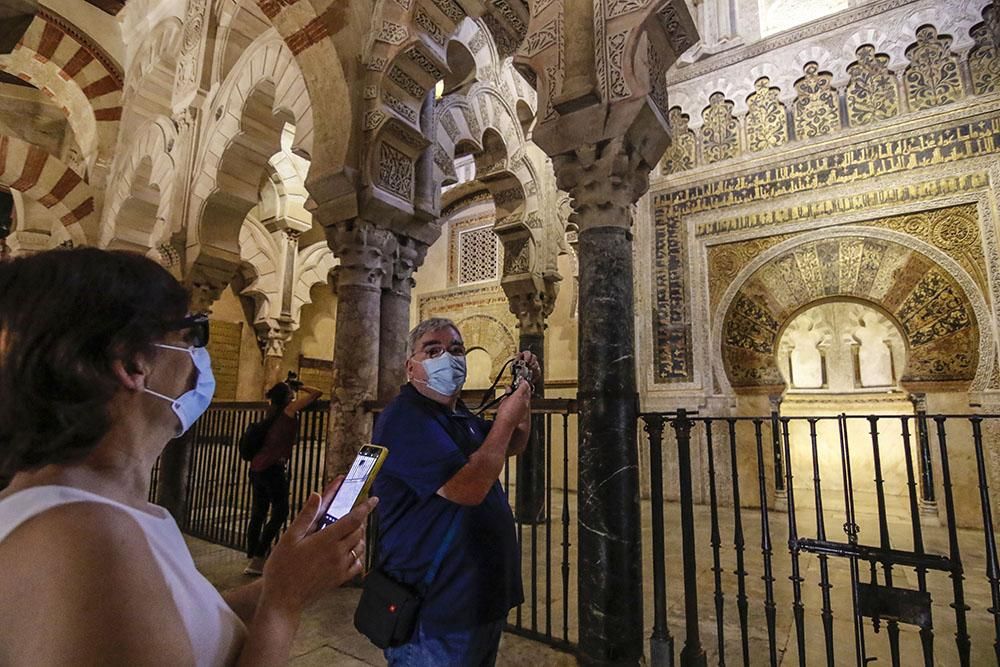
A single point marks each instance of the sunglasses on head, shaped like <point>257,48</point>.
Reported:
<point>197,329</point>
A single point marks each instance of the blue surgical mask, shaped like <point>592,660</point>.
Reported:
<point>191,405</point>
<point>445,374</point>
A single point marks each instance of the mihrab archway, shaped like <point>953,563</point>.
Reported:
<point>934,300</point>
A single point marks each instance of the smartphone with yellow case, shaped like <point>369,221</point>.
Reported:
<point>356,484</point>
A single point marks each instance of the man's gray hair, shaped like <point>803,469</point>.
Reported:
<point>425,327</point>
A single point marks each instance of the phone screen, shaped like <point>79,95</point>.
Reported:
<point>353,485</point>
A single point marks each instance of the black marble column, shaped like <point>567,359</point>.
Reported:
<point>610,551</point>
<point>530,500</point>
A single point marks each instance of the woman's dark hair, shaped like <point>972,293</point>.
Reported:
<point>65,317</point>
<point>280,395</point>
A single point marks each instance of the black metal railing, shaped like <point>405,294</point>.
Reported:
<point>218,502</point>
<point>899,567</point>
<point>219,497</point>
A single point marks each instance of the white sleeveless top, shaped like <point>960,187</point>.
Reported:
<point>216,632</point>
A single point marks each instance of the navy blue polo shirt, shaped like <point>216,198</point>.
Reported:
<point>479,580</point>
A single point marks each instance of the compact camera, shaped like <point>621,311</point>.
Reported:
<point>520,372</point>
<point>293,380</point>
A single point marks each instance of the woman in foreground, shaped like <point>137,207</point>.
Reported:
<point>100,366</point>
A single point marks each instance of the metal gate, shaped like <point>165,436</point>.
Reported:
<point>873,571</point>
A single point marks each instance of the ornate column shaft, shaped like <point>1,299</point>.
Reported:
<point>604,180</point>
<point>361,248</point>
<point>395,313</point>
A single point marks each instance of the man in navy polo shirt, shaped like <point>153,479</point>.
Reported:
<point>442,473</point>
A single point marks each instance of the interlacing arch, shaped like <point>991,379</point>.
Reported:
<point>150,78</point>
<point>261,258</point>
<point>263,92</point>
<point>138,210</point>
<point>56,57</point>
<point>40,176</point>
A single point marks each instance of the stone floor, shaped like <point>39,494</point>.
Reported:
<point>327,636</point>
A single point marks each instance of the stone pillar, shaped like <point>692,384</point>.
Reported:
<point>361,248</point>
<point>395,314</point>
<point>604,180</point>
<point>171,485</point>
<point>532,306</point>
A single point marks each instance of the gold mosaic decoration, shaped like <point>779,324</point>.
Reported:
<point>720,138</point>
<point>815,109</point>
<point>984,58</point>
<point>871,94</point>
<point>932,78</point>
<point>929,305</point>
<point>954,230</point>
<point>681,154</point>
<point>766,121</point>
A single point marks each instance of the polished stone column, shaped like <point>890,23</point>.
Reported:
<point>361,247</point>
<point>395,314</point>
<point>604,180</point>
<point>172,480</point>
<point>175,461</point>
<point>531,306</point>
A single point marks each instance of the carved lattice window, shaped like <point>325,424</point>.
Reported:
<point>720,131</point>
<point>871,93</point>
<point>815,109</point>
<point>477,255</point>
<point>984,58</point>
<point>767,124</point>
<point>932,78</point>
<point>680,155</point>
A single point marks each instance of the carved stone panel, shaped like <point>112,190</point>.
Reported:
<point>871,94</point>
<point>681,154</point>
<point>984,58</point>
<point>932,78</point>
<point>766,121</point>
<point>815,110</point>
<point>720,132</point>
<point>395,171</point>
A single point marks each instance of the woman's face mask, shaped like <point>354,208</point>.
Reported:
<point>445,373</point>
<point>192,404</point>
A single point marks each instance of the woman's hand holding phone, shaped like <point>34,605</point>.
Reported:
<point>307,562</point>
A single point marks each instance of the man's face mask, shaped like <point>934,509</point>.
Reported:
<point>192,404</point>
<point>445,373</point>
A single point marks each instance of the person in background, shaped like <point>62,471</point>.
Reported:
<point>441,480</point>
<point>269,468</point>
<point>100,366</point>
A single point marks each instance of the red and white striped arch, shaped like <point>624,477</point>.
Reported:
<point>58,58</point>
<point>37,174</point>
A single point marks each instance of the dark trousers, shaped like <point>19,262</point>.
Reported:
<point>270,490</point>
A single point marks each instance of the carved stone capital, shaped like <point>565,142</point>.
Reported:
<point>362,248</point>
<point>273,338</point>
<point>205,286</point>
<point>408,257</point>
<point>919,400</point>
<point>604,179</point>
<point>531,301</point>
